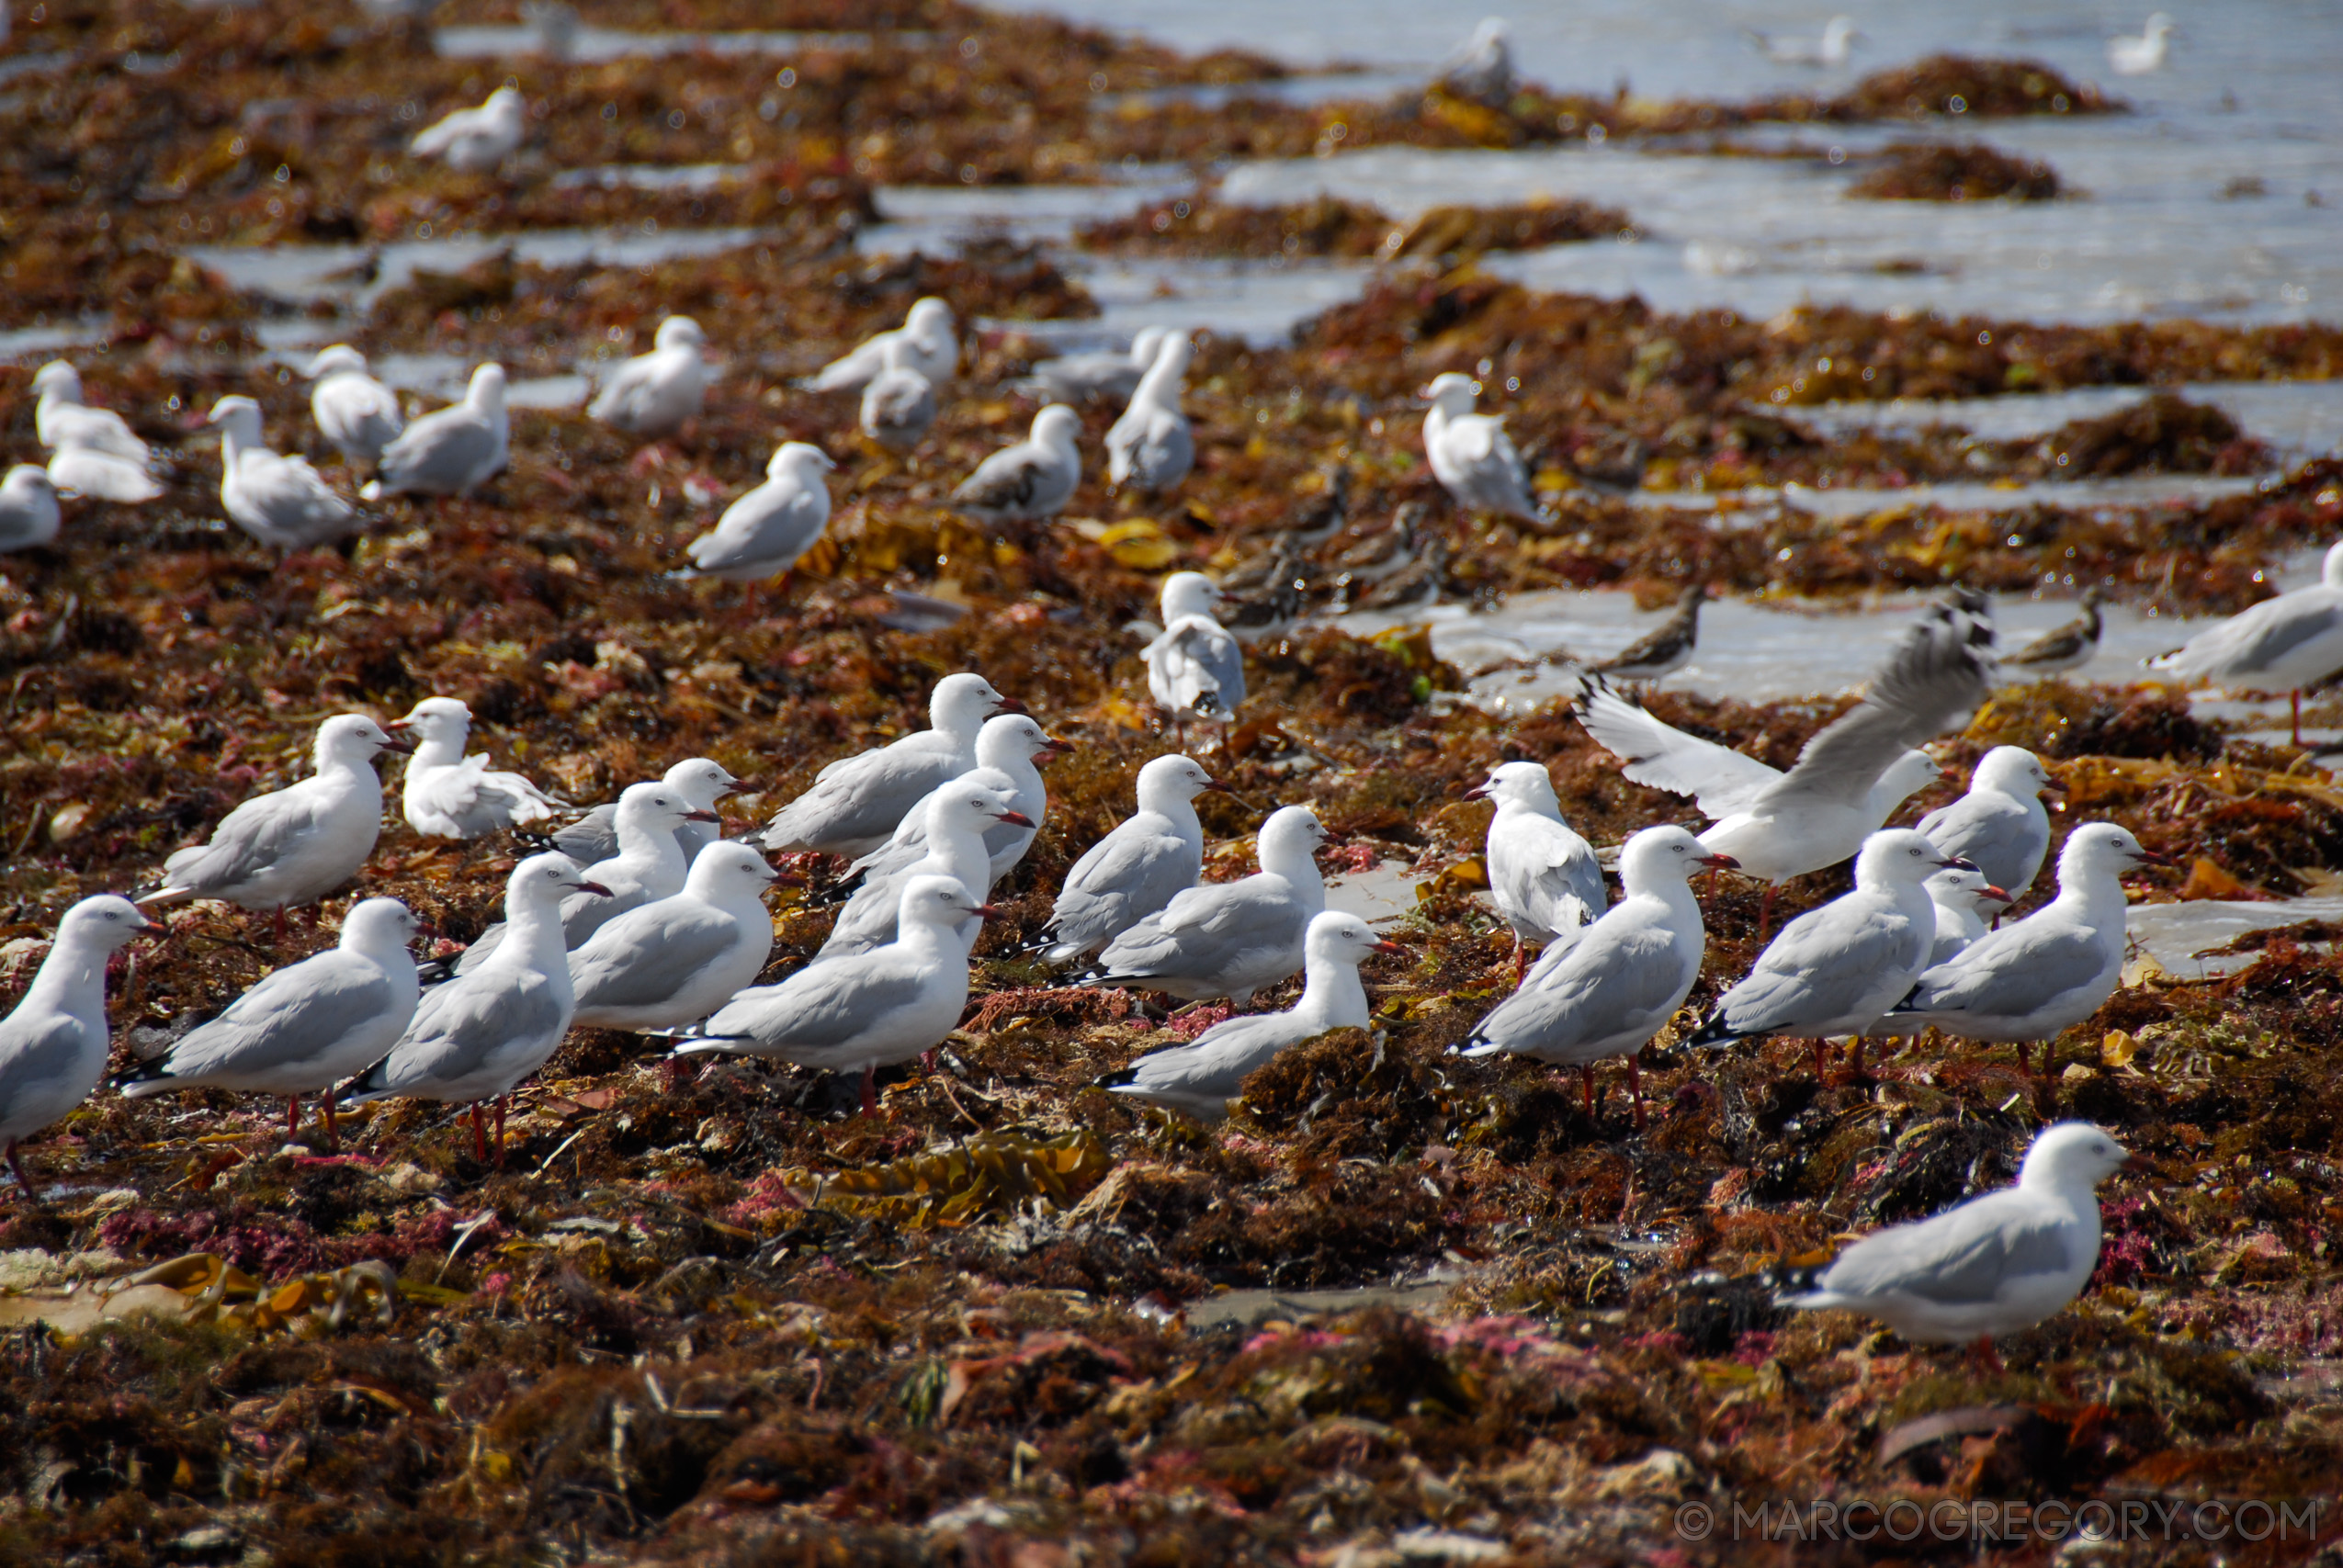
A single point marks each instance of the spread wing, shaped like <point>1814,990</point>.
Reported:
<point>1934,677</point>
<point>1720,780</point>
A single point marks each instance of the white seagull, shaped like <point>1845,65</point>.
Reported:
<point>1472,457</point>
<point>1481,68</point>
<point>1030,481</point>
<point>1829,52</point>
<point>1196,670</point>
<point>1227,939</point>
<point>857,803</point>
<point>53,1045</point>
<point>2001,825</point>
<point>1085,378</point>
<point>477,140</point>
<point>652,394</point>
<point>2143,55</point>
<point>2279,644</point>
<point>1150,858</point>
<point>358,413</point>
<point>928,333</point>
<point>294,845</point>
<point>701,781</point>
<point>449,795</point>
<point>280,500</point>
<point>28,514</point>
<point>453,451</point>
<point>1607,993</point>
<point>649,866</point>
<point>1151,447</point>
<point>956,819</point>
<point>304,1027</point>
<point>1006,749</point>
<point>1964,901</point>
<point>898,403</point>
<point>1543,877</point>
<point>664,964</point>
<point>60,419</point>
<point>1203,1076</point>
<point>102,476</point>
<point>1991,1266</point>
<point>767,531</point>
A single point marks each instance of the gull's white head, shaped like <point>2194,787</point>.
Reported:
<point>1894,857</point>
<point>437,719</point>
<point>2102,848</point>
<point>939,902</point>
<point>658,807</point>
<point>1189,593</point>
<point>2012,770</point>
<point>542,881</point>
<point>380,925</point>
<point>1144,345</point>
<point>960,703</point>
<point>679,332</point>
<point>506,105</point>
<point>333,360</point>
<point>1912,772</point>
<point>1839,33</point>
<point>2330,570</point>
<point>352,738</point>
<point>805,459</point>
<point>238,419</point>
<point>1518,783</point>
<point>968,804</point>
<point>702,781</point>
<point>1655,857</point>
<point>105,923</point>
<point>1013,738</point>
<point>1055,428</point>
<point>28,482</point>
<point>1958,888</point>
<point>2071,1156</point>
<point>928,318</point>
<point>59,380</point>
<point>1174,778</point>
<point>1290,838</point>
<point>727,868</point>
<point>487,388</point>
<point>1335,937</point>
<point>1452,393</point>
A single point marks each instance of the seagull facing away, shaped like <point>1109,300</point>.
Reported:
<point>1087,378</point>
<point>475,1037</point>
<point>449,795</point>
<point>1666,650</point>
<point>1992,1266</point>
<point>2000,825</point>
<point>1472,457</point>
<point>1196,669</point>
<point>857,803</point>
<point>1608,992</point>
<point>28,514</point>
<point>649,866</point>
<point>1203,1076</point>
<point>304,1027</point>
<point>1150,447</point>
<point>1227,939</point>
<point>1482,66</point>
<point>2143,55</point>
<point>477,140</point>
<point>955,817</point>
<point>866,1010</point>
<point>2066,647</point>
<point>1006,749</point>
<point>294,845</point>
<point>664,965</point>
<point>62,419</point>
<point>701,781</point>
<point>358,413</point>
<point>1543,876</point>
<point>1031,482</point>
<point>1148,859</point>
<point>652,394</point>
<point>898,403</point>
<point>53,1045</point>
<point>2279,644</point>
<point>1829,52</point>
<point>277,499</point>
<point>926,332</point>
<point>767,532</point>
<point>2050,971</point>
<point>453,451</point>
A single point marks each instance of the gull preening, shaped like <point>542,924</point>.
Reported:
<point>446,795</point>
<point>307,1027</point>
<point>701,781</point>
<point>2284,644</point>
<point>927,337</point>
<point>1832,49</point>
<point>1006,749</point>
<point>1481,68</point>
<point>956,819</point>
<point>1609,991</point>
<point>1150,447</point>
<point>1667,649</point>
<point>767,532</point>
<point>857,803</point>
<point>1196,670</point>
<point>1032,481</point>
<point>1472,457</point>
<point>2066,647</point>
<point>53,1044</point>
<point>2143,55</point>
<point>1203,1076</point>
<point>2000,825</point>
<point>477,140</point>
<point>279,501</point>
<point>1148,859</point>
<point>294,845</point>
<point>1086,378</point>
<point>898,403</point>
<point>652,394</point>
<point>28,512</point>
<point>664,964</point>
<point>1991,1266</point>
<point>358,413</point>
<point>453,451</point>
<point>1543,877</point>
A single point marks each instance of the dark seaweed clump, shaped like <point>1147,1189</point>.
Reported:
<point>1940,171</point>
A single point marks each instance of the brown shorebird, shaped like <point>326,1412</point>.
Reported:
<point>1664,650</point>
<point>2066,647</point>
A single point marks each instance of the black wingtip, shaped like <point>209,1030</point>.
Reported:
<point>1115,1080</point>
<point>1715,1032</point>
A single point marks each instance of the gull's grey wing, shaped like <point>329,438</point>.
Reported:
<point>249,840</point>
<point>296,1014</point>
<point>1967,1256</point>
<point>1934,676</point>
<point>762,527</point>
<point>1202,664</point>
<point>1217,1063</point>
<point>2011,971</point>
<point>459,1026</point>
<point>1999,837</point>
<point>1566,867</point>
<point>643,957</point>
<point>1590,990</point>
<point>592,838</point>
<point>866,800</point>
<point>1008,480</point>
<point>2260,638</point>
<point>1721,780</point>
<point>439,453</point>
<point>1824,965</point>
<point>1203,930</point>
<point>825,1006</point>
<point>39,1051</point>
<point>1125,876</point>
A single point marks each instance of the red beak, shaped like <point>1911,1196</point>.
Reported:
<point>1011,705</point>
<point>701,817</point>
<point>2150,858</point>
<point>1720,862</point>
<point>1052,744</point>
<point>739,785</point>
<point>1014,820</point>
<point>593,887</point>
<point>1478,791</point>
<point>157,924</point>
<point>1990,891</point>
<point>1390,947</point>
<point>1216,786</point>
<point>986,911</point>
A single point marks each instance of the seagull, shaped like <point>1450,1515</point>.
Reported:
<point>2069,647</point>
<point>1543,877</point>
<point>701,781</point>
<point>667,964</point>
<point>2279,644</point>
<point>53,1046</point>
<point>866,1011</point>
<point>1151,447</point>
<point>1853,772</point>
<point>1149,859</point>
<point>1609,991</point>
<point>1204,1076</point>
<point>956,819</point>
<point>453,451</point>
<point>1196,669</point>
<point>28,514</point>
<point>358,413</point>
<point>1031,482</point>
<point>306,1027</point>
<point>2001,824</point>
<point>1088,378</point>
<point>102,476</point>
<point>297,844</point>
<point>857,803</point>
<point>1472,457</point>
<point>649,866</point>
<point>2143,55</point>
<point>767,531</point>
<point>1227,939</point>
<point>277,499</point>
<point>1964,901</point>
<point>898,403</point>
<point>1481,68</point>
<point>1836,970</point>
<point>927,331</point>
<point>1992,1266</point>
<point>1831,50</point>
<point>475,1037</point>
<point>1666,650</point>
<point>1006,749</point>
<point>2050,971</point>
<point>652,394</point>
<point>449,795</point>
<point>477,140</point>
<point>62,419</point>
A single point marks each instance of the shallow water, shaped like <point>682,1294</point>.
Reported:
<point>591,45</point>
<point>1378,897</point>
<point>2298,418</point>
<point>2174,933</point>
<point>303,273</point>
